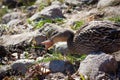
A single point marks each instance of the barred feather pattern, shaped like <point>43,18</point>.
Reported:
<point>102,36</point>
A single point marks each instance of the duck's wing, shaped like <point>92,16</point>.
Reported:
<point>98,34</point>
<point>98,24</point>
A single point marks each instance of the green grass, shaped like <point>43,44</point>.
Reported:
<point>39,24</point>
<point>59,56</point>
<point>42,22</point>
<point>77,25</point>
<point>115,19</point>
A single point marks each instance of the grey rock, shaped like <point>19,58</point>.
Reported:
<point>105,3</point>
<point>49,29</point>
<point>13,15</point>
<point>17,3</point>
<point>3,53</point>
<point>17,26</point>
<point>7,40</point>
<point>31,10</point>
<point>117,55</point>
<point>56,76</point>
<point>21,66</point>
<point>4,70</point>
<point>50,12</point>
<point>112,11</point>
<point>97,63</point>
<point>72,2</point>
<point>19,43</point>
<point>38,2</point>
<point>2,29</point>
<point>36,17</point>
<point>15,22</point>
<point>61,66</point>
<point>89,1</point>
<point>56,3</point>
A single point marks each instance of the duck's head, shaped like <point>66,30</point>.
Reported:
<point>60,36</point>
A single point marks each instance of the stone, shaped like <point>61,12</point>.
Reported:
<point>112,11</point>
<point>4,71</point>
<point>17,26</point>
<point>13,15</point>
<point>3,53</point>
<point>96,64</point>
<point>7,40</point>
<point>50,12</point>
<point>117,55</point>
<point>18,43</point>
<point>2,29</point>
<point>56,3</point>
<point>72,2</point>
<point>49,29</point>
<point>31,10</point>
<point>17,3</point>
<point>22,65</point>
<point>61,66</point>
<point>105,3</point>
<point>38,2</point>
<point>56,76</point>
<point>89,1</point>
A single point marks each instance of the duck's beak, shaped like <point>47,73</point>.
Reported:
<point>47,43</point>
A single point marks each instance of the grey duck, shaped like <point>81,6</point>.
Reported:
<point>94,36</point>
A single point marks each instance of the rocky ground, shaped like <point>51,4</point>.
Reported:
<point>24,24</point>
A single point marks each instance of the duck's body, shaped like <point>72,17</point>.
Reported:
<point>94,36</point>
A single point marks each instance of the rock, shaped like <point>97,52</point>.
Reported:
<point>97,64</point>
<point>7,40</point>
<point>72,2</point>
<point>20,42</point>
<point>117,57</point>
<point>13,15</point>
<point>17,3</point>
<point>56,3</point>
<point>4,71</point>
<point>11,3</point>
<point>38,2</point>
<point>3,53</point>
<point>61,66</point>
<point>21,66</point>
<point>50,12</point>
<point>15,22</point>
<point>112,11</point>
<point>105,3</point>
<point>31,10</point>
<point>89,1</point>
<point>56,76</point>
<point>2,29</point>
<point>49,29</point>
<point>17,26</point>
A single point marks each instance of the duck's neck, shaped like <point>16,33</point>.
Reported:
<point>70,43</point>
